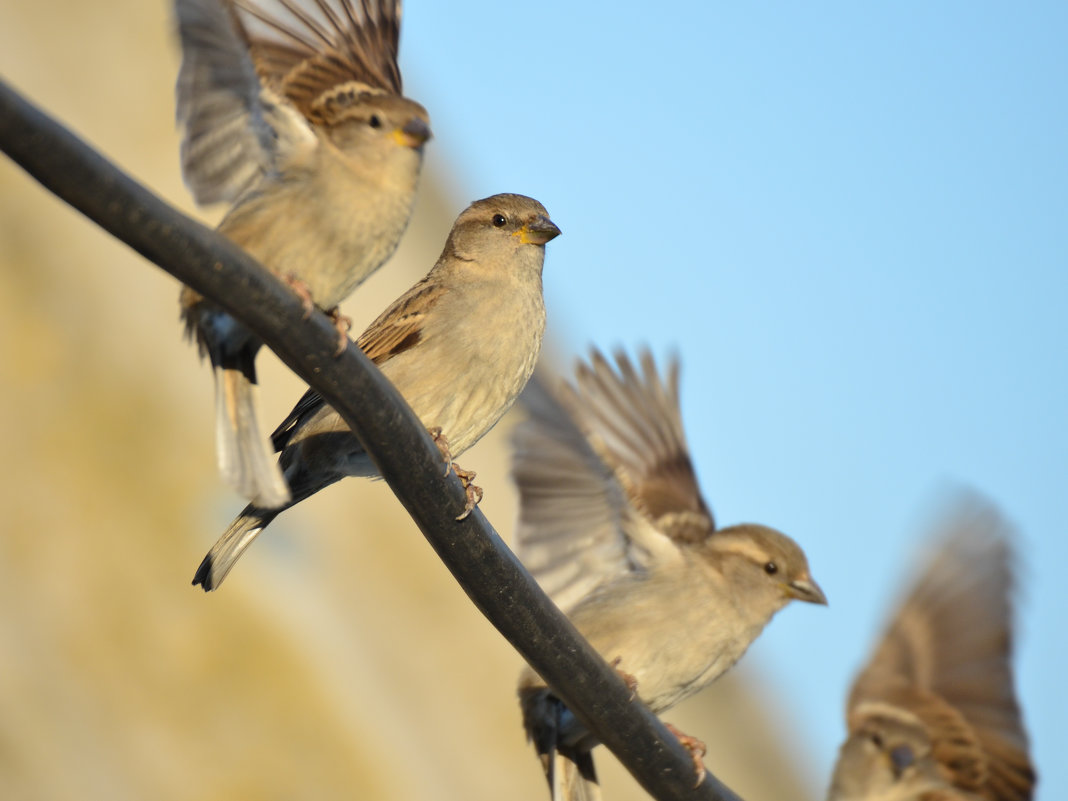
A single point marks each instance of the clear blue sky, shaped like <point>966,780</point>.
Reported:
<point>851,222</point>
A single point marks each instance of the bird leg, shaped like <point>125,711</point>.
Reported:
<point>697,751</point>
<point>628,678</point>
<point>443,447</point>
<point>300,289</point>
<point>342,324</point>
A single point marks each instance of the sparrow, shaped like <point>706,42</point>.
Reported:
<point>460,346</point>
<point>613,526</point>
<point>933,716</point>
<point>298,122</point>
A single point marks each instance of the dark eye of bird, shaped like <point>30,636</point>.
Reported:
<point>771,568</point>
<point>498,220</point>
<point>375,121</point>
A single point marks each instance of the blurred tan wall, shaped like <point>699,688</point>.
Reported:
<point>340,659</point>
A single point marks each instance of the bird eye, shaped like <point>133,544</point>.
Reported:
<point>499,220</point>
<point>771,568</point>
<point>375,121</point>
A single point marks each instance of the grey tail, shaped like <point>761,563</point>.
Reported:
<point>229,547</point>
<point>246,458</point>
<point>252,520</point>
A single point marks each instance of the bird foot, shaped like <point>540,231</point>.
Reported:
<point>472,493</point>
<point>628,678</point>
<point>697,751</point>
<point>342,324</point>
<point>300,289</point>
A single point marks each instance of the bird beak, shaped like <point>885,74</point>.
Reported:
<point>414,133</point>
<point>901,758</point>
<point>538,231</point>
<point>806,590</point>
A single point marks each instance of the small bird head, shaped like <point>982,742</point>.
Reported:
<point>371,124</point>
<point>766,568</point>
<point>888,756</point>
<point>501,225</point>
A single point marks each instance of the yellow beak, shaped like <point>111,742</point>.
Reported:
<point>414,134</point>
<point>538,231</point>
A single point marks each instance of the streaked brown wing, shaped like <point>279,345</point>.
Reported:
<point>400,327</point>
<point>950,648</point>
<point>634,423</point>
<point>309,49</point>
<point>396,330</point>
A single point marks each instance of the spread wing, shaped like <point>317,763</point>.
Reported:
<point>571,508</point>
<point>309,49</point>
<point>251,80</point>
<point>634,423</point>
<point>946,659</point>
<point>233,128</point>
<point>580,520</point>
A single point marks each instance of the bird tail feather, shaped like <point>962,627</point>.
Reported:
<point>229,547</point>
<point>246,458</point>
<point>572,776</point>
<point>563,746</point>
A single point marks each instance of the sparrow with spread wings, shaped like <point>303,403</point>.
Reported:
<point>294,117</point>
<point>614,527</point>
<point>933,716</point>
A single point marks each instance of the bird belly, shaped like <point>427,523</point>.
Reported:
<point>328,230</point>
<point>462,378</point>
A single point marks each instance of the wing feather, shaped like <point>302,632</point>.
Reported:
<point>950,647</point>
<point>595,466</point>
<point>634,422</point>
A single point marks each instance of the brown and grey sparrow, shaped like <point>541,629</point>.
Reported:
<point>297,120</point>
<point>933,716</point>
<point>613,526</point>
<point>460,346</point>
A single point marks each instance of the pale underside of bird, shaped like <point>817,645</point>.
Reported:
<point>614,527</point>
<point>933,716</point>
<point>293,114</point>
<point>459,345</point>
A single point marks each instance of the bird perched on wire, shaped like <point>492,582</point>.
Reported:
<point>460,346</point>
<point>297,120</point>
<point>933,716</point>
<point>613,526</point>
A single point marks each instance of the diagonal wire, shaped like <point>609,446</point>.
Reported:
<point>402,450</point>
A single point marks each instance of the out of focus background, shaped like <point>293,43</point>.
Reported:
<point>850,224</point>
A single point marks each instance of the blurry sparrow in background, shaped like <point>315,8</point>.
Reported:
<point>299,123</point>
<point>460,346</point>
<point>613,526</point>
<point>933,716</point>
